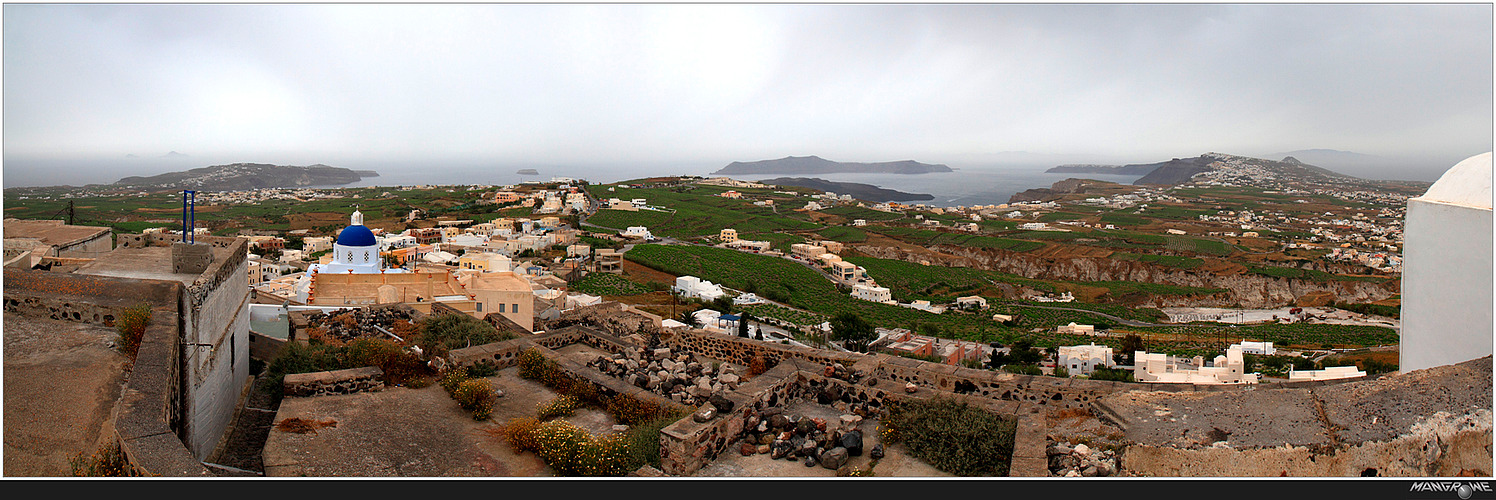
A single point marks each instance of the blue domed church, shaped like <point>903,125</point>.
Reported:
<point>356,251</point>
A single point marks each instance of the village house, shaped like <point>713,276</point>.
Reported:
<point>314,244</point>
<point>503,293</point>
<point>728,235</point>
<point>1162,368</point>
<point>485,262</point>
<point>756,246</point>
<point>804,251</point>
<point>1259,348</point>
<point>639,232</point>
<point>1083,359</point>
<point>692,287</point>
<point>1074,329</point>
<point>973,301</point>
<point>502,197</point>
<point>872,293</point>
<point>607,260</point>
<point>1329,373</point>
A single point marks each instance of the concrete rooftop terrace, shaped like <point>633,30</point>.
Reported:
<point>61,383</point>
<point>51,232</point>
<point>144,263</point>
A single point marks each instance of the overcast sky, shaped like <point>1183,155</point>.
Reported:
<point>610,84</point>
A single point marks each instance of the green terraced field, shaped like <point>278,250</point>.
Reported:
<point>696,213</point>
<point>844,234</point>
<point>868,214</point>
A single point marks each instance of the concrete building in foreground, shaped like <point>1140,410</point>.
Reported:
<point>194,360</point>
<point>1446,281</point>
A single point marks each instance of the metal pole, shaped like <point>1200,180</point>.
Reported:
<point>184,216</point>
<point>193,211</point>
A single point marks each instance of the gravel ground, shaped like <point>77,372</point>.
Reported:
<point>62,380</point>
<point>1244,418</point>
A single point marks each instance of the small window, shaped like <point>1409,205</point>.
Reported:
<point>515,308</point>
<point>480,307</point>
<point>501,307</point>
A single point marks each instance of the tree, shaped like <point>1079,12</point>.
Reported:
<point>722,305</point>
<point>929,330</point>
<point>854,332</point>
<point>1060,371</point>
<point>1024,353</point>
<point>1131,344</point>
<point>998,359</point>
<point>743,325</point>
<point>689,319</point>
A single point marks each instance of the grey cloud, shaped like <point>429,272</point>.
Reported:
<point>716,83</point>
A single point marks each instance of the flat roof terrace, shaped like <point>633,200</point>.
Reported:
<point>52,232</point>
<point>144,263</point>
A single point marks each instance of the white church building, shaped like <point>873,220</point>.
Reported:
<point>356,251</point>
<point>1446,282</point>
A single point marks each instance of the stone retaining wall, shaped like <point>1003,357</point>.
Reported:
<point>799,374</point>
<point>741,351</point>
<point>347,381</point>
<point>263,347</point>
<point>81,298</point>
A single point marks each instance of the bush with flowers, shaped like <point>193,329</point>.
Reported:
<point>564,405</point>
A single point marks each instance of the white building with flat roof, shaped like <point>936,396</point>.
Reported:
<point>697,288</point>
<point>1259,348</point>
<point>1162,368</point>
<point>1084,359</point>
<point>1075,329</point>
<point>640,232</point>
<point>872,293</point>
<point>1329,373</point>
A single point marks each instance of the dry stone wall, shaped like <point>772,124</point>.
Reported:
<point>348,381</point>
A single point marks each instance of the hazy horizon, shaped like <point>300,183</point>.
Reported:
<point>613,88</point>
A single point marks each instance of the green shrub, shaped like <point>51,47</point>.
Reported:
<point>629,410</point>
<point>951,435</point>
<point>442,333</point>
<point>452,378</point>
<point>560,444</point>
<point>482,370</point>
<point>1023,369</point>
<point>644,440</point>
<point>534,366</point>
<point>399,364</point>
<point>131,326</point>
<point>561,406</point>
<point>573,451</point>
<point>1111,374</point>
<point>476,395</point>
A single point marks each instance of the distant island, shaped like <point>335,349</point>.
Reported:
<point>528,171</point>
<point>818,165</point>
<point>1175,171</point>
<point>1141,169</point>
<point>237,176</point>
<point>866,192</point>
